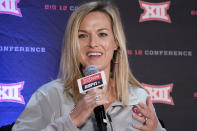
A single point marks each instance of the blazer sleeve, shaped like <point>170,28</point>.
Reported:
<point>39,115</point>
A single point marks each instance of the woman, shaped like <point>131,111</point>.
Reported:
<point>94,36</point>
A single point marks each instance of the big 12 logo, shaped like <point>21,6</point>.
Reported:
<point>155,11</point>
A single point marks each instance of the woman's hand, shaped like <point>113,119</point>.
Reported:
<point>148,119</point>
<point>86,105</point>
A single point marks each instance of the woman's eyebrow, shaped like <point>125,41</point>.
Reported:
<point>102,29</point>
<point>82,31</point>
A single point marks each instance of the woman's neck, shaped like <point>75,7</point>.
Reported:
<point>110,93</point>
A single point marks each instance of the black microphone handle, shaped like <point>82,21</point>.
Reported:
<point>99,113</point>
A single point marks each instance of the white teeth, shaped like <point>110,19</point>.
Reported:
<point>94,54</point>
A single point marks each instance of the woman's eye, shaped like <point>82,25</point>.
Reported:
<point>102,34</point>
<point>82,36</point>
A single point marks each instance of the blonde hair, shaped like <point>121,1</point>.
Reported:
<point>69,64</point>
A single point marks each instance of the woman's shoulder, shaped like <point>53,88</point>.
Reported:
<point>52,86</point>
<point>54,90</point>
<point>138,92</point>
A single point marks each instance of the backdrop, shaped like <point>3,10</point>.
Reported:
<point>161,42</point>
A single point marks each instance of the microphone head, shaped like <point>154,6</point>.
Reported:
<point>91,69</point>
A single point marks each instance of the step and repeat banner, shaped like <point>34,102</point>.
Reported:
<point>161,43</point>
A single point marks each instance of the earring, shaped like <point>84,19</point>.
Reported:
<point>115,56</point>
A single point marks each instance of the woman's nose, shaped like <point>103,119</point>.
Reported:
<point>93,41</point>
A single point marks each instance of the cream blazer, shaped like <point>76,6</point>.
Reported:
<point>49,107</point>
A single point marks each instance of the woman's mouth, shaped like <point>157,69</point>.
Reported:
<point>94,54</point>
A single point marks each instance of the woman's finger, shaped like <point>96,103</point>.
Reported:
<point>149,103</point>
<point>144,110</point>
<point>141,128</point>
<point>138,118</point>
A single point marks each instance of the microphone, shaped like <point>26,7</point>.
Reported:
<point>94,79</point>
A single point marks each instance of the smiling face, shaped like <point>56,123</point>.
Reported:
<point>96,41</point>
